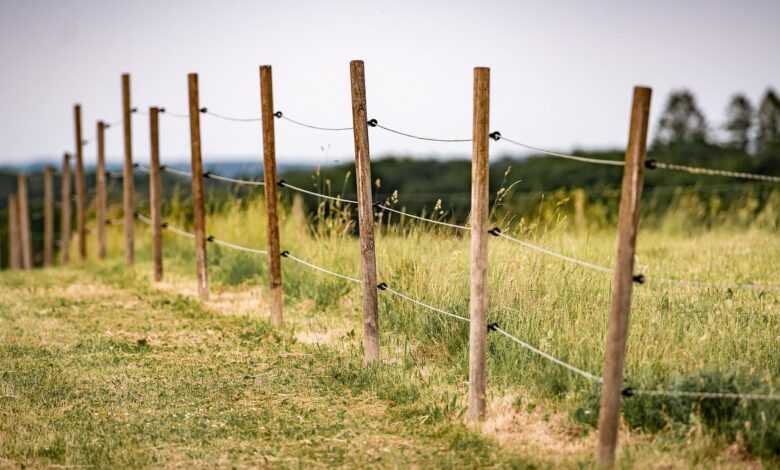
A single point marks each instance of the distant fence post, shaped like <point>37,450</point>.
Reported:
<point>197,189</point>
<point>128,184</point>
<point>81,186</point>
<point>617,327</point>
<point>154,192</point>
<point>25,237</point>
<point>100,175</point>
<point>271,198</point>
<point>478,300</point>
<point>48,216</point>
<point>365,211</point>
<point>14,245</point>
<point>65,210</point>
<point>579,210</point>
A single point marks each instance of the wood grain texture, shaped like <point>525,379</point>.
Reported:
<point>128,184</point>
<point>48,216</point>
<point>270,189</point>
<point>199,211</point>
<point>155,188</point>
<point>365,211</point>
<point>25,235</point>
<point>81,186</point>
<point>65,206</point>
<point>622,284</point>
<point>478,300</point>
<point>14,243</point>
<point>101,199</point>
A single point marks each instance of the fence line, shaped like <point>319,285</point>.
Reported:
<point>383,287</point>
<point>635,163</point>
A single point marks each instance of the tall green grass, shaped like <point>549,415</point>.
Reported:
<point>681,337</point>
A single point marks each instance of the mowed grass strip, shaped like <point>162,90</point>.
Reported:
<point>100,371</point>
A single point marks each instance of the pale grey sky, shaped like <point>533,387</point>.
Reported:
<point>562,71</point>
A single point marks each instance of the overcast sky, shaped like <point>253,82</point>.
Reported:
<point>562,71</point>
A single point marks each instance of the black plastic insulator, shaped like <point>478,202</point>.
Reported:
<point>136,165</point>
<point>207,175</point>
<point>278,114</point>
<point>163,167</point>
<point>495,135</point>
<point>495,231</point>
<point>284,254</point>
<point>627,392</point>
<point>281,183</point>
<point>372,122</point>
<point>493,326</point>
<point>133,110</point>
<point>651,164</point>
<point>204,109</point>
<point>382,286</point>
<point>108,222</point>
<point>210,238</point>
<point>161,110</point>
<point>164,225</point>
<point>639,278</point>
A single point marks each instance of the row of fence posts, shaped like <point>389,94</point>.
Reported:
<point>624,277</point>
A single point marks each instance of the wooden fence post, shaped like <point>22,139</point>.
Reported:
<point>65,210</point>
<point>48,216</point>
<point>14,245</point>
<point>101,190</point>
<point>25,237</point>
<point>478,301</point>
<point>81,186</point>
<point>128,184</point>
<point>617,327</point>
<point>199,210</point>
<point>154,192</point>
<point>271,198</point>
<point>579,210</point>
<point>365,211</point>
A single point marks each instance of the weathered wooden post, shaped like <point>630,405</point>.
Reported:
<point>14,244</point>
<point>65,210</point>
<point>154,192</point>
<point>617,327</point>
<point>48,216</point>
<point>271,198</point>
<point>81,186</point>
<point>478,301</point>
<point>199,210</point>
<point>25,237</point>
<point>101,190</point>
<point>579,210</point>
<point>365,211</point>
<point>128,184</point>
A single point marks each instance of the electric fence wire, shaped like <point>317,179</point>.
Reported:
<point>598,161</point>
<point>652,164</point>
<point>206,175</point>
<point>280,115</point>
<point>375,123</point>
<point>230,118</point>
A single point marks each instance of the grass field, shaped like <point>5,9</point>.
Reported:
<point>101,368</point>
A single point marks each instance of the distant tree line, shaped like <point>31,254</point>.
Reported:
<point>747,129</point>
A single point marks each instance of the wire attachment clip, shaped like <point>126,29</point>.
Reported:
<point>382,286</point>
<point>210,238</point>
<point>639,278</point>
<point>494,326</point>
<point>495,135</point>
<point>284,254</point>
<point>651,164</point>
<point>495,231</point>
<point>372,122</point>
